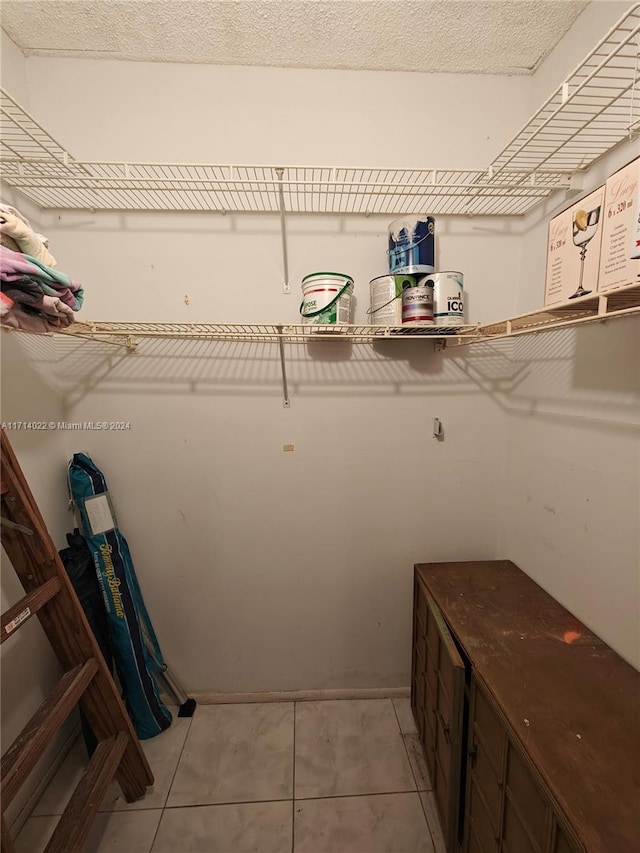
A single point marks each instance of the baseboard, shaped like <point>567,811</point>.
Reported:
<point>56,758</point>
<point>213,698</point>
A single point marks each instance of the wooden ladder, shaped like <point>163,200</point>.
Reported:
<point>86,679</point>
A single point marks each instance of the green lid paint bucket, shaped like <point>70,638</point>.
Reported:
<point>326,299</point>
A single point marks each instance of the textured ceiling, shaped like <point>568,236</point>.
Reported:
<point>470,36</point>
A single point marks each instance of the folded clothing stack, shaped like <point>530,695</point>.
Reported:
<point>35,296</point>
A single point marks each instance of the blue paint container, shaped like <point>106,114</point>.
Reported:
<point>412,245</point>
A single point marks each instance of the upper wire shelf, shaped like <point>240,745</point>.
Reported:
<point>270,189</point>
<point>596,107</point>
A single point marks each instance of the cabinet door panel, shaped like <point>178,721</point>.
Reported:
<point>491,730</point>
<point>523,792</point>
<point>489,783</point>
<point>486,836</point>
<point>563,841</point>
<point>418,657</point>
<point>474,844</point>
<point>421,611</point>
<point>514,833</point>
<point>444,696</point>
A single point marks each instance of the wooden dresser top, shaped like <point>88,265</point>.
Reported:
<point>571,701</point>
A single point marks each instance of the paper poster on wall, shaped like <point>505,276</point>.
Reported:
<point>573,250</point>
<point>621,210</point>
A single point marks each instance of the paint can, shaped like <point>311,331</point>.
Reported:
<point>417,305</point>
<point>448,297</point>
<point>412,245</point>
<point>386,299</point>
<point>326,299</point>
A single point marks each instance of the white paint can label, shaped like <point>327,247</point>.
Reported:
<point>326,299</point>
<point>386,299</point>
<point>448,297</point>
<point>417,305</point>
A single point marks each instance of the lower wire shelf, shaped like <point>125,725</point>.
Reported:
<point>610,304</point>
<point>619,302</point>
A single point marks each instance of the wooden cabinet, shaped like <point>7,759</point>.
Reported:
<point>436,700</point>
<point>529,721</point>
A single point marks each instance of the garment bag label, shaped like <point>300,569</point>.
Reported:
<point>99,514</point>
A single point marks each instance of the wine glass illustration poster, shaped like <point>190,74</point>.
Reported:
<point>573,250</point>
<point>619,219</point>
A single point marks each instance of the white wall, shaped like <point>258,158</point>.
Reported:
<point>266,570</point>
<point>13,70</point>
<point>214,114</point>
<point>588,29</point>
<point>572,499</point>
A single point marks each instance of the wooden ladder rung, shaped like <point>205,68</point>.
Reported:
<point>74,825</point>
<point>23,754</point>
<point>7,843</point>
<point>28,605</point>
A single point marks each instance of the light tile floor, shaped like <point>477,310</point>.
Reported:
<point>305,777</point>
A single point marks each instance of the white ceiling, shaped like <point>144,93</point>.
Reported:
<point>463,36</point>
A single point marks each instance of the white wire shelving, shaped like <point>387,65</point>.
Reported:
<point>593,307</point>
<point>228,188</point>
<point>612,304</point>
<point>596,107</point>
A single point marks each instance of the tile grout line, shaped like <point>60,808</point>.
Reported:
<point>166,799</point>
<point>224,803</point>
<point>406,751</point>
<point>293,789</point>
<point>359,794</point>
<point>282,800</point>
<point>418,792</point>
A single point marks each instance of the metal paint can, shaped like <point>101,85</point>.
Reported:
<point>386,299</point>
<point>417,305</point>
<point>448,297</point>
<point>412,245</point>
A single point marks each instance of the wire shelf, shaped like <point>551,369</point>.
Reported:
<point>256,189</point>
<point>596,107</point>
<point>21,136</point>
<point>288,333</point>
<point>619,302</point>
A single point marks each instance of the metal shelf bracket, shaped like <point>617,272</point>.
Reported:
<point>286,403</point>
<point>286,288</point>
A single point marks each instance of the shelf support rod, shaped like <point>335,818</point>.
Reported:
<point>286,403</point>
<point>283,229</point>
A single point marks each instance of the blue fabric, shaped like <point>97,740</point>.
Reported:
<point>136,650</point>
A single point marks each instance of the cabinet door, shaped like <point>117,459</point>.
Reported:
<point>418,664</point>
<point>487,747</point>
<point>563,841</point>
<point>443,706</point>
<point>527,812</point>
<point>506,809</point>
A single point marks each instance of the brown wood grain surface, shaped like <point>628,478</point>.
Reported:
<point>75,823</point>
<point>7,843</point>
<point>23,754</point>
<point>569,700</point>
<point>32,602</point>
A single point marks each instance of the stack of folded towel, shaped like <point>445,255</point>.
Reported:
<point>35,297</point>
